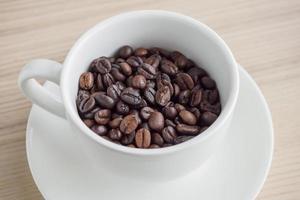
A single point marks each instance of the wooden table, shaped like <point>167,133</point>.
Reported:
<point>264,36</point>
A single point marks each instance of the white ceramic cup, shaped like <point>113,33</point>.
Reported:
<point>139,29</point>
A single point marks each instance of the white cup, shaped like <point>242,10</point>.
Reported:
<point>139,29</point>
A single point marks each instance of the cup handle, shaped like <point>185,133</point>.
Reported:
<point>46,69</point>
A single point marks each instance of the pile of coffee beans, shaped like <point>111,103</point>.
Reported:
<point>147,98</point>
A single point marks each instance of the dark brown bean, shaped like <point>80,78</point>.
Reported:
<point>148,71</point>
<point>179,107</point>
<point>196,73</point>
<point>128,138</point>
<point>163,96</point>
<point>160,51</point>
<point>143,138</point>
<point>102,65</point>
<point>184,97</point>
<point>114,92</point>
<point>207,107</point>
<point>99,129</point>
<point>207,118</point>
<point>131,96</point>
<point>86,105</point>
<point>184,81</point>
<point>153,60</point>
<point>156,121</point>
<point>137,115</point>
<point>86,81</point>
<point>89,122</point>
<point>141,52</point>
<point>169,134</point>
<point>125,68</point>
<point>157,139</point>
<point>134,62</point>
<point>146,112</point>
<point>170,123</point>
<point>176,89</point>
<point>168,67</point>
<point>99,82</point>
<point>117,75</point>
<point>115,123</point>
<point>181,61</point>
<point>125,51</point>
<point>149,94</point>
<point>213,96</point>
<point>102,117</point>
<point>129,124</point>
<point>187,117</point>
<point>90,114</point>
<point>196,97</point>
<point>108,80</point>
<point>122,108</point>
<point>104,100</point>
<point>181,139</point>
<point>114,134</point>
<point>195,111</point>
<point>187,129</point>
<point>170,112</point>
<point>208,83</point>
<point>139,82</point>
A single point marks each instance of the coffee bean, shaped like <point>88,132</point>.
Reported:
<point>184,97</point>
<point>213,96</point>
<point>187,129</point>
<point>140,105</point>
<point>154,146</point>
<point>143,138</point>
<point>102,117</point>
<point>148,71</point>
<point>86,81</point>
<point>174,55</point>
<point>99,82</point>
<point>128,138</point>
<point>125,51</point>
<point>125,68</point>
<point>176,89</point>
<point>179,107</point>
<point>114,134</point>
<point>160,78</point>
<point>115,123</point>
<point>196,97</point>
<point>146,112</point>
<point>168,67</point>
<point>122,108</point>
<point>157,139</point>
<point>131,96</point>
<point>99,129</point>
<point>195,111</point>
<point>181,61</point>
<point>153,60</point>
<point>163,96</point>
<point>102,65</point>
<point>108,80</point>
<point>117,75</point>
<point>160,51</point>
<point>86,105</point>
<point>139,82</point>
<point>82,94</point>
<point>207,118</point>
<point>134,62</point>
<point>89,122</point>
<point>119,60</point>
<point>141,52</point>
<point>187,117</point>
<point>207,107</point>
<point>129,124</point>
<point>156,121</point>
<point>129,81</point>
<point>114,92</point>
<point>169,134</point>
<point>181,139</point>
<point>184,81</point>
<point>149,94</point>
<point>104,100</point>
<point>208,83</point>
<point>196,73</point>
<point>90,114</point>
<point>150,83</point>
<point>170,123</point>
<point>170,112</point>
<point>137,115</point>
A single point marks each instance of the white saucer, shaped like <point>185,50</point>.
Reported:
<point>236,172</point>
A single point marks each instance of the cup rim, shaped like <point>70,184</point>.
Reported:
<point>227,110</point>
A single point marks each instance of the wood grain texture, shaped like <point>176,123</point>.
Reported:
<point>264,36</point>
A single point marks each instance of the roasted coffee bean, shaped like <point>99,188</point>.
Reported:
<point>129,124</point>
<point>163,96</point>
<point>114,92</point>
<point>108,80</point>
<point>146,112</point>
<point>131,96</point>
<point>129,81</point>
<point>196,73</point>
<point>181,61</point>
<point>125,68</point>
<point>153,60</point>
<point>170,112</point>
<point>89,122</point>
<point>196,97</point>
<point>122,108</point>
<point>176,89</point>
<point>116,115</point>
<point>174,55</point>
<point>195,111</point>
<point>184,81</point>
<point>184,97</point>
<point>102,65</point>
<point>115,123</point>
<point>114,134</point>
<point>154,146</point>
<point>149,94</point>
<point>160,78</point>
<point>207,118</point>
<point>187,117</point>
<point>139,82</point>
<point>150,83</point>
<point>137,115</point>
<point>213,96</point>
<point>119,60</point>
<point>161,51</point>
<point>148,71</point>
<point>168,67</point>
<point>134,62</point>
<point>102,117</point>
<point>99,82</point>
<point>169,134</point>
<point>82,94</point>
<point>143,138</point>
<point>157,139</point>
<point>170,123</point>
<point>208,83</point>
<point>128,138</point>
<point>86,105</point>
<point>207,107</point>
<point>181,139</point>
<point>141,52</point>
<point>104,100</point>
<point>99,129</point>
<point>90,114</point>
<point>117,75</point>
<point>179,107</point>
<point>86,81</point>
<point>125,51</point>
<point>156,121</point>
<point>187,129</point>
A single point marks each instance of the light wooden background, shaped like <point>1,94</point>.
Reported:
<point>264,35</point>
